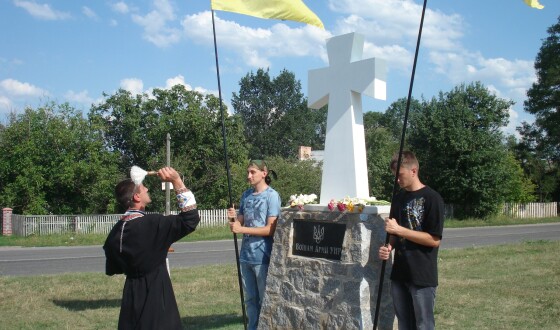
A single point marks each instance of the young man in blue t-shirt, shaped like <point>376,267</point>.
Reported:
<point>259,210</point>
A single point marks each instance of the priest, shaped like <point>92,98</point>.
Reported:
<point>137,247</point>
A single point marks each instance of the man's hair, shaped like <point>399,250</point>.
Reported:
<point>124,191</point>
<point>408,160</point>
<point>258,163</point>
<point>261,165</point>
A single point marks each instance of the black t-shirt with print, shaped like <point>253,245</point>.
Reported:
<point>420,210</point>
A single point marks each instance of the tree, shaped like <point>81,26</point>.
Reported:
<point>275,115</point>
<point>461,149</point>
<point>543,98</point>
<point>137,127</point>
<point>380,146</point>
<point>296,177</point>
<point>534,156</point>
<point>540,141</point>
<point>52,161</point>
<point>383,132</point>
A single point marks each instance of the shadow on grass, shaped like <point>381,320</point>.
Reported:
<point>212,321</point>
<point>81,305</point>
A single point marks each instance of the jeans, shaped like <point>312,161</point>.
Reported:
<point>254,283</point>
<point>414,305</point>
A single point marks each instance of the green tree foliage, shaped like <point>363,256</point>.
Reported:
<point>461,149</point>
<point>380,145</point>
<point>137,127</point>
<point>294,177</point>
<point>539,149</point>
<point>383,132</point>
<point>520,188</point>
<point>534,154</point>
<point>543,98</point>
<point>52,161</point>
<point>276,117</point>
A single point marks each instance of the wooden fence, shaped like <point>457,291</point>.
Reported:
<point>530,210</point>
<point>25,225</point>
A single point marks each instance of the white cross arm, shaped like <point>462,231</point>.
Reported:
<point>318,96</point>
<point>367,77</point>
<point>362,82</point>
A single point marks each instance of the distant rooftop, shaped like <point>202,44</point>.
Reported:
<point>306,153</point>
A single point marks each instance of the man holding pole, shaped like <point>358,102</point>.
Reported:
<point>259,210</point>
<point>416,227</point>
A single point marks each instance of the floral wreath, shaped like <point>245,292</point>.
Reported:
<point>344,205</point>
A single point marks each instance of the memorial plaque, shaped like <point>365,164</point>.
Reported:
<point>318,239</point>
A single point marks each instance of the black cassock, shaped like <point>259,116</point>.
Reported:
<point>137,246</point>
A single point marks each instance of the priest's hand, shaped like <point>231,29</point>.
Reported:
<point>169,174</point>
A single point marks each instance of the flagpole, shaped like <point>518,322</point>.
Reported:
<point>396,181</point>
<point>228,174</point>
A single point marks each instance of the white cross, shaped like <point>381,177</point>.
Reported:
<point>341,86</point>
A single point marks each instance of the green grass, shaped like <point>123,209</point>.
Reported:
<point>496,221</point>
<point>208,298</point>
<point>514,286</point>
<point>72,239</point>
<point>218,233</point>
<point>504,287</point>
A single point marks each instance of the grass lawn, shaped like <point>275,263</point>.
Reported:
<point>513,286</point>
<point>72,239</point>
<point>217,233</point>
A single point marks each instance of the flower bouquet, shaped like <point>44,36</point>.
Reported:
<point>345,205</point>
<point>300,200</point>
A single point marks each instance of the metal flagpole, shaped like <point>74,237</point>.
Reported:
<point>228,175</point>
<point>395,183</point>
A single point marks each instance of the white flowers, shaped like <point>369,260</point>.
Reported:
<point>300,200</point>
<point>351,204</point>
<point>344,205</point>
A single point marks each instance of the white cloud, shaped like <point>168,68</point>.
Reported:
<point>180,80</point>
<point>113,22</point>
<point>17,88</point>
<point>89,13</point>
<point>15,94</point>
<point>177,80</point>
<point>133,85</point>
<point>392,28</point>
<point>79,97</point>
<point>155,24</point>
<point>391,32</point>
<point>136,86</point>
<point>256,46</point>
<point>41,11</point>
<point>514,121</point>
<point>511,77</point>
<point>4,62</point>
<point>5,103</point>
<point>120,7</point>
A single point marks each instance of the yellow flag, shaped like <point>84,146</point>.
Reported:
<point>534,4</point>
<point>292,10</point>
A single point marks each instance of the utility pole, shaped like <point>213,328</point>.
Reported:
<point>167,184</point>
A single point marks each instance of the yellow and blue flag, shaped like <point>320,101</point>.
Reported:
<point>292,10</point>
<point>534,4</point>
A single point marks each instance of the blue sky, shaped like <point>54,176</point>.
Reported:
<point>74,51</point>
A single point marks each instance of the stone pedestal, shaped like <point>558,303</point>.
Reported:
<point>319,293</point>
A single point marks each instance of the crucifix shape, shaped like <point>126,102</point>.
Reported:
<point>341,85</point>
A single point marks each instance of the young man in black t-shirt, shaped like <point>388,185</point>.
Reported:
<point>416,227</point>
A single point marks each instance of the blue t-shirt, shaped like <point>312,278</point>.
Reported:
<point>256,208</point>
